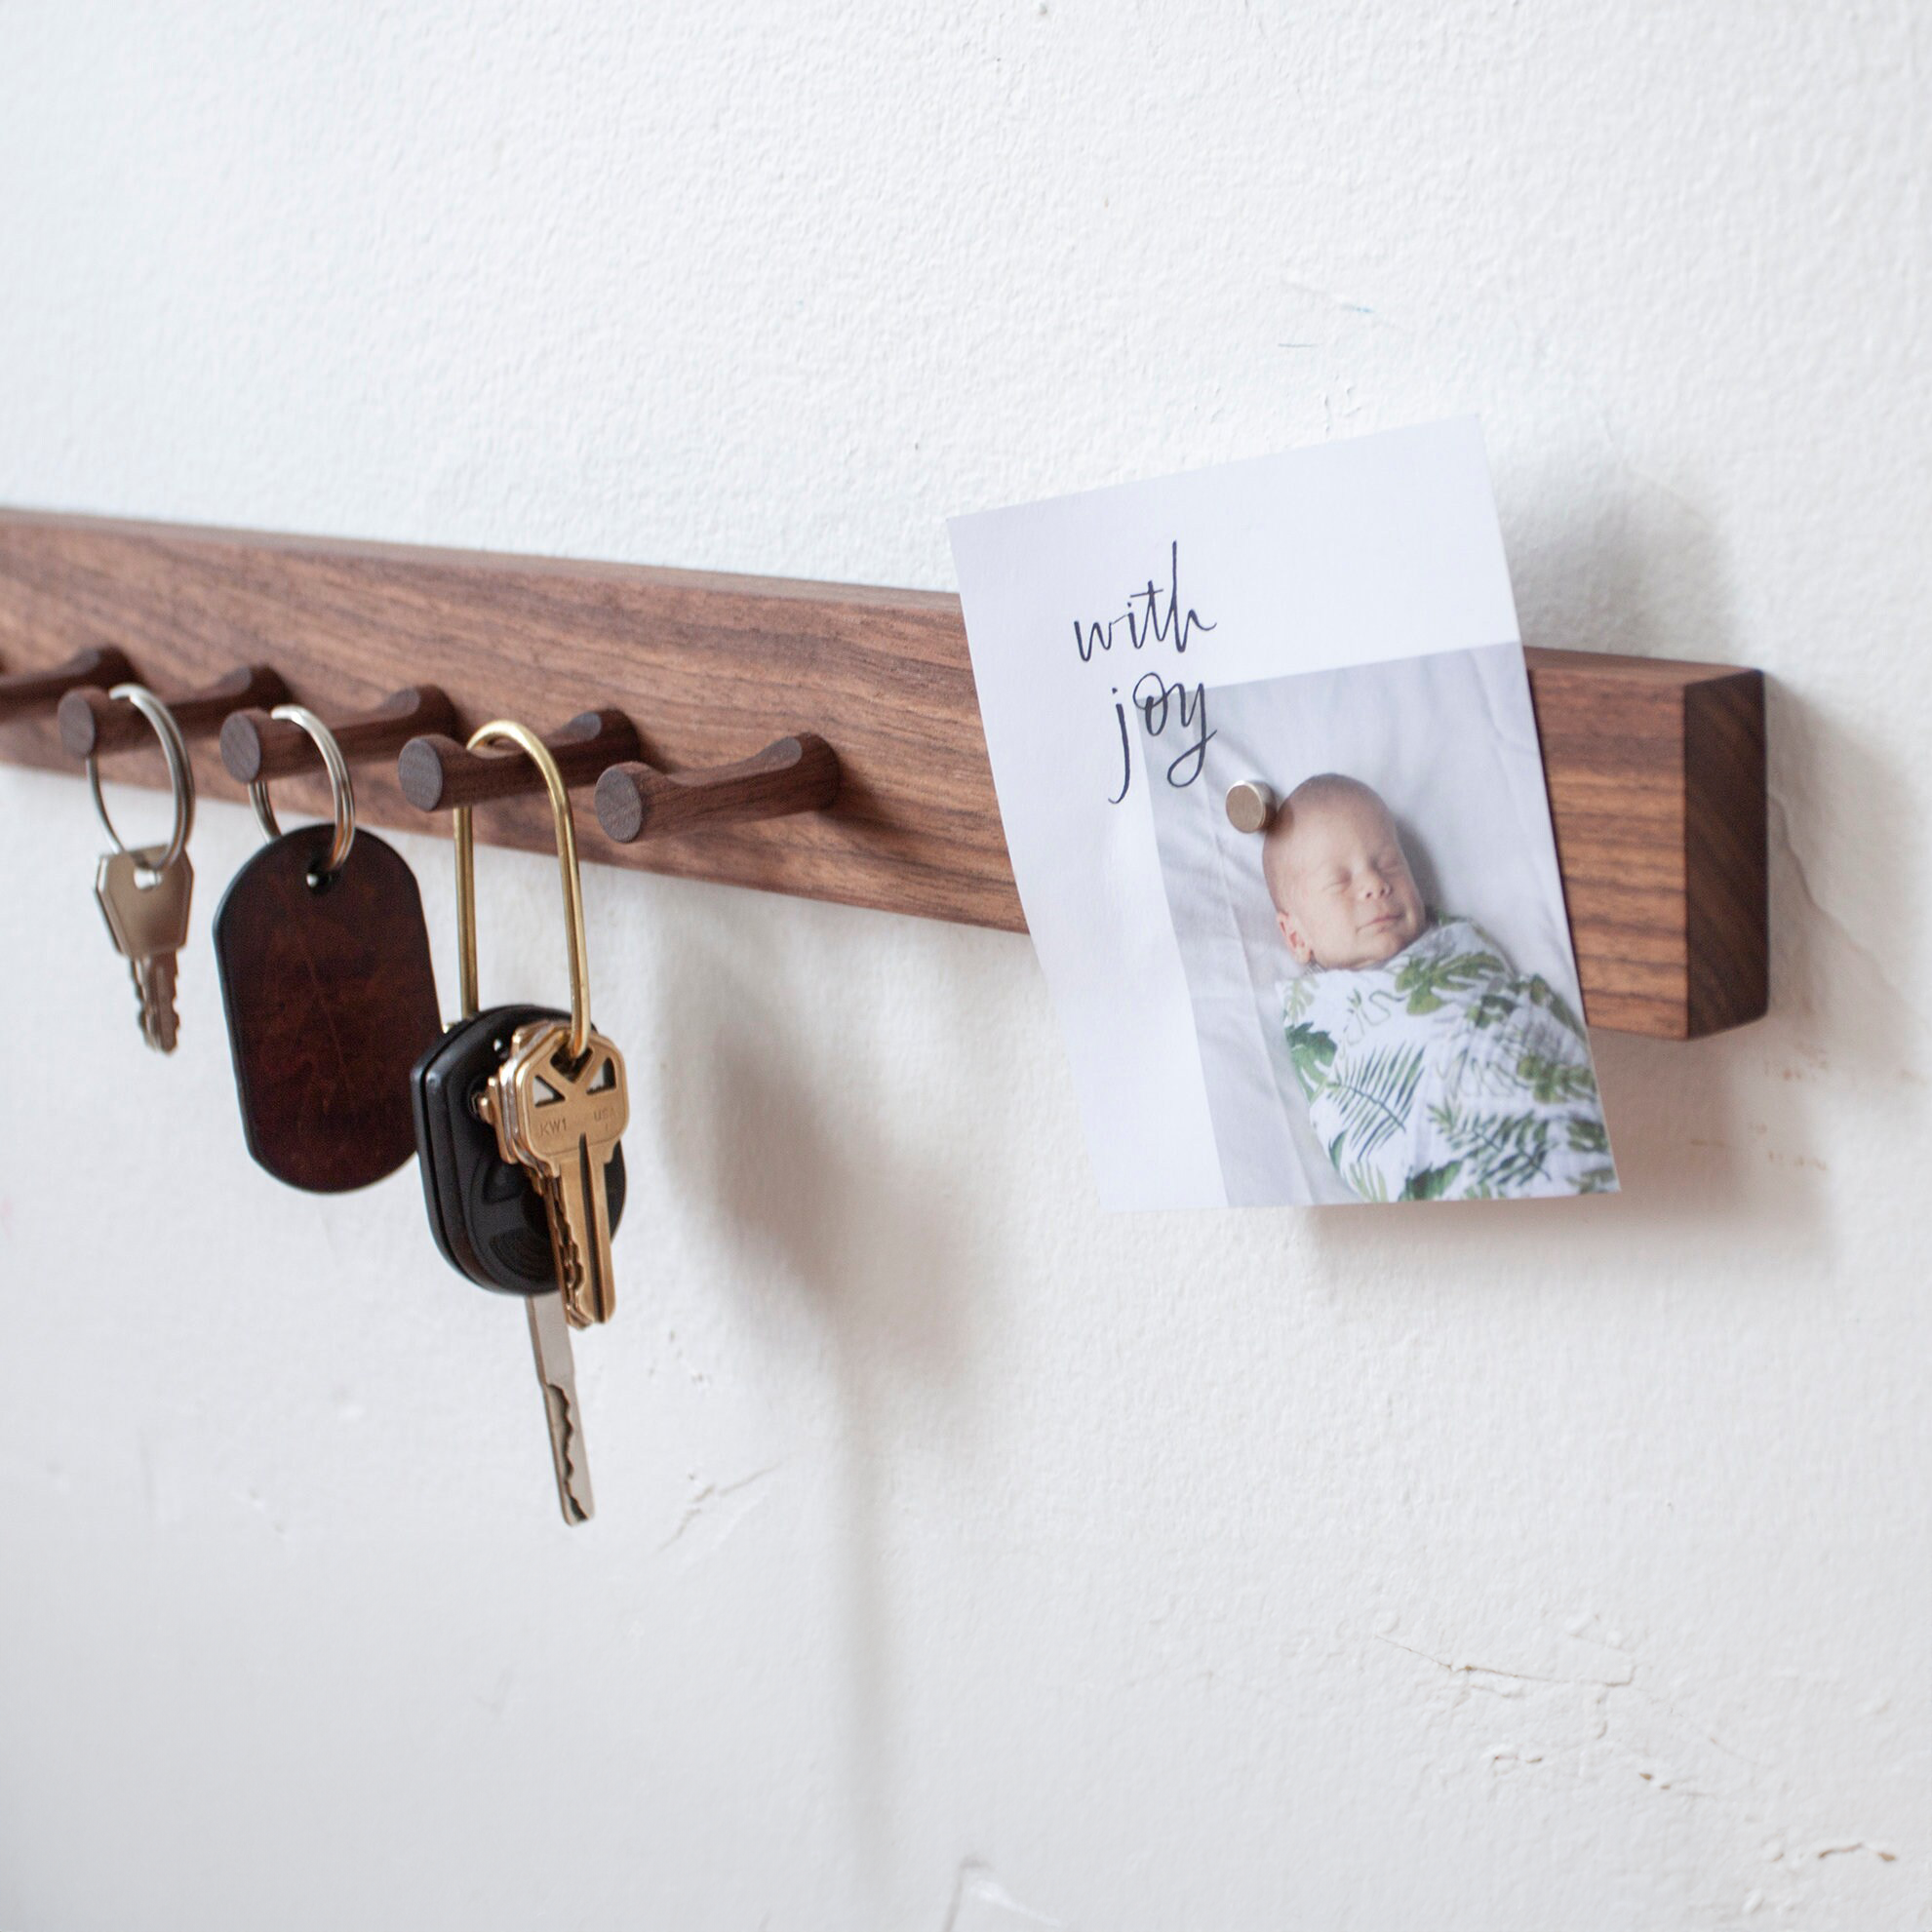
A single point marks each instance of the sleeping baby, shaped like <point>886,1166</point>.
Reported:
<point>1432,1068</point>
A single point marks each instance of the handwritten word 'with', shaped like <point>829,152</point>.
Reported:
<point>1160,702</point>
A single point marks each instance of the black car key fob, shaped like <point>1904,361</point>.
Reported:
<point>487,1213</point>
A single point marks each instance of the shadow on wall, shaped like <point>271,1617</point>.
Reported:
<point>799,1178</point>
<point>788,1162</point>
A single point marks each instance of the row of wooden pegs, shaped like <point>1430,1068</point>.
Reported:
<point>344,1071</point>
<point>436,772</point>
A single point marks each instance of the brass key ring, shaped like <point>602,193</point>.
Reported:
<point>180,776</point>
<point>502,731</point>
<point>342,791</point>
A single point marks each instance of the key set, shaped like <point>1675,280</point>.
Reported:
<point>519,1102</point>
<point>343,1071</point>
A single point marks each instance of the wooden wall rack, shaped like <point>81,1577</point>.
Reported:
<point>1656,769</point>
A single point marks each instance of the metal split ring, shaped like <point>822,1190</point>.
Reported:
<point>180,777</point>
<point>341,793</point>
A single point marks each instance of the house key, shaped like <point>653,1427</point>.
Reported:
<point>562,1121</point>
<point>145,904</point>
<point>144,892</point>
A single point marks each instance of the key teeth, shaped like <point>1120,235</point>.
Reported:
<point>567,1255</point>
<point>586,1303</point>
<point>580,1309</point>
<point>578,1239</point>
<point>154,989</point>
<point>556,1375</point>
<point>572,1474</point>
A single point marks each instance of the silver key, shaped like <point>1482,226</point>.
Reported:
<point>147,917</point>
<point>557,1373</point>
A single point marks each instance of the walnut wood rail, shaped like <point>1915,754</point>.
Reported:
<point>1656,769</point>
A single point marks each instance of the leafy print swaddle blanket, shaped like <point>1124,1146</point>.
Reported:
<point>1444,1073</point>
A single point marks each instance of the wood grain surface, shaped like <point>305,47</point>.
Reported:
<point>1656,769</point>
<point>30,692</point>
<point>255,745</point>
<point>93,724</point>
<point>791,774</point>
<point>1656,777</point>
<point>436,773</point>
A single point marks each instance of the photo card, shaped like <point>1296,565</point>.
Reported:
<point>1369,995</point>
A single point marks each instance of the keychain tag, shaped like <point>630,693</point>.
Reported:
<point>331,997</point>
<point>331,1000</point>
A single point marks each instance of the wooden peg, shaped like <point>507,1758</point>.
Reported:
<point>36,691</point>
<point>256,747</point>
<point>438,774</point>
<point>93,722</point>
<point>637,800</point>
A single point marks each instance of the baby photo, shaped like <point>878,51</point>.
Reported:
<point>1365,894</point>
<point>1367,994</point>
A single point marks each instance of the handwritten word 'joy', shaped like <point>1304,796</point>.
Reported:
<point>1156,699</point>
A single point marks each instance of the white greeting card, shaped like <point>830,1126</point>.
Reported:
<point>1374,998</point>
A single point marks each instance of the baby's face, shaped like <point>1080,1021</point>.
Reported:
<point>1348,899</point>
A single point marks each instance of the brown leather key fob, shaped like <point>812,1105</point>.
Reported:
<point>331,999</point>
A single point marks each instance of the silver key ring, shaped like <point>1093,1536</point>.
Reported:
<point>342,791</point>
<point>180,776</point>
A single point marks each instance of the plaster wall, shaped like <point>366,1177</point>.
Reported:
<point>967,1560</point>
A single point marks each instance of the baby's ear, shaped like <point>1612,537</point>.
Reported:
<point>1291,937</point>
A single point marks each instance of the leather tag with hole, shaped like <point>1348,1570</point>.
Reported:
<point>331,1000</point>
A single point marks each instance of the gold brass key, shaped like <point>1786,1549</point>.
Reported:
<point>561,1116</point>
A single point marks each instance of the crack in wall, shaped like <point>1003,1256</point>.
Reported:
<point>1496,1671</point>
<point>1781,837</point>
<point>1604,1747</point>
<point>981,1904</point>
<point>710,1496</point>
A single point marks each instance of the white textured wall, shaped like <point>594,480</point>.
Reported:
<point>966,1559</point>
